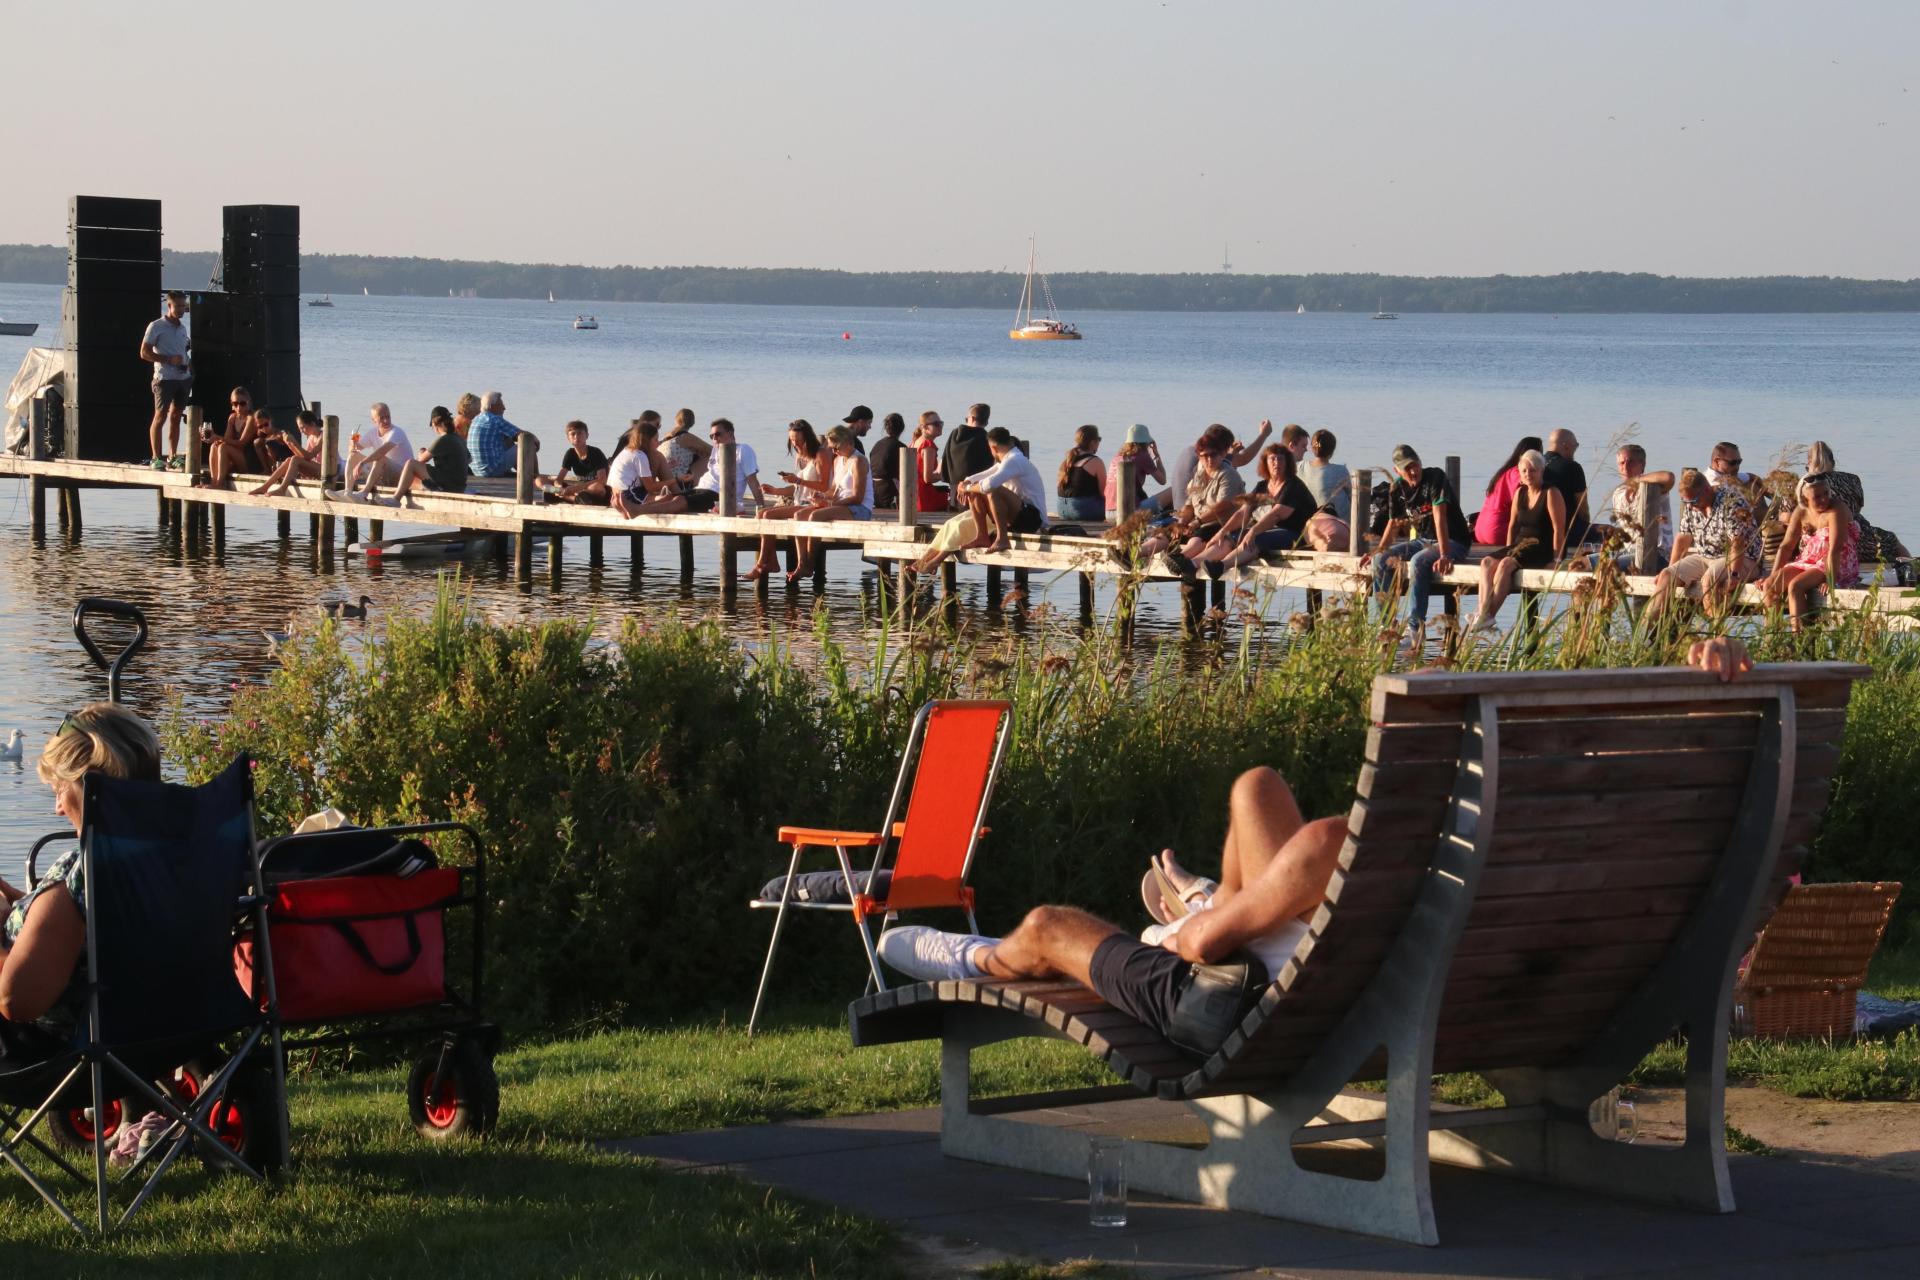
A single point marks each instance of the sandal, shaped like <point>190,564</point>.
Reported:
<point>1166,903</point>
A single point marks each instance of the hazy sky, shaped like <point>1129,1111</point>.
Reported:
<point>1710,138</point>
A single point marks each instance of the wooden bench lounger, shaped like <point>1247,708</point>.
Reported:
<point>1546,875</point>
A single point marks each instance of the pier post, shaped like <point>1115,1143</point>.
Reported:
<point>196,457</point>
<point>556,553</point>
<point>993,586</point>
<point>1126,490</point>
<point>1645,515</point>
<point>1086,599</point>
<point>283,525</point>
<point>329,468</point>
<point>726,468</point>
<point>523,496</point>
<point>596,551</point>
<point>349,530</point>
<point>376,530</point>
<point>219,512</point>
<point>160,494</point>
<point>637,552</point>
<point>72,495</point>
<point>949,578</point>
<point>1362,496</point>
<point>37,506</point>
<point>909,517</point>
<point>1020,583</point>
<point>686,557</point>
<point>1450,596</point>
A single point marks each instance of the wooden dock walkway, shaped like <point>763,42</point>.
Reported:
<point>890,540</point>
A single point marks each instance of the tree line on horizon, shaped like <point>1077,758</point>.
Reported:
<point>1580,291</point>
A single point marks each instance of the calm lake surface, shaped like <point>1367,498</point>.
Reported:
<point>1463,384</point>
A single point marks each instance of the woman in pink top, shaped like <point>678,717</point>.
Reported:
<point>1490,526</point>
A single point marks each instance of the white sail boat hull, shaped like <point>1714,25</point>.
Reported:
<point>1027,327</point>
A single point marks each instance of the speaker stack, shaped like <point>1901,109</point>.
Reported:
<point>113,293</point>
<point>249,334</point>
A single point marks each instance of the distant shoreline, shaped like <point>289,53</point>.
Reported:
<point>1576,293</point>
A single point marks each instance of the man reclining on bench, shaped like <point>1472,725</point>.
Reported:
<point>1192,980</point>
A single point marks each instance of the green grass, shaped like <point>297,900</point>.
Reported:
<point>370,1199</point>
<point>1896,972</point>
<point>1840,1071</point>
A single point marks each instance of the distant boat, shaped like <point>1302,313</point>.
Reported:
<point>1383,313</point>
<point>1300,310</point>
<point>585,322</point>
<point>550,297</point>
<point>1049,327</point>
<point>364,293</point>
<point>18,328</point>
<point>324,300</point>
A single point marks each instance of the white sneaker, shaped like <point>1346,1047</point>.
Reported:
<point>928,955</point>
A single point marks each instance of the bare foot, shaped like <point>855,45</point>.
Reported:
<point>756,573</point>
<point>258,491</point>
<point>998,545</point>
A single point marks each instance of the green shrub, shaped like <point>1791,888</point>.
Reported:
<point>628,793</point>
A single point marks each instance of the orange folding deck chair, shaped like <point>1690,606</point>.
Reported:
<point>953,756</point>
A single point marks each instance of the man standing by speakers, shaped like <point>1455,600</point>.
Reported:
<point>166,346</point>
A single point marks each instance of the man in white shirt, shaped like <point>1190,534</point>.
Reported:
<point>167,347</point>
<point>384,457</point>
<point>705,495</point>
<point>1623,523</point>
<point>1008,497</point>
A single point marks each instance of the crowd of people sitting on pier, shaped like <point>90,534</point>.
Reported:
<point>1793,534</point>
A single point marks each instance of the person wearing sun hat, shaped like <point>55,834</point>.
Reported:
<point>1138,445</point>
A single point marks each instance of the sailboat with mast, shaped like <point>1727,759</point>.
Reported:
<point>1047,327</point>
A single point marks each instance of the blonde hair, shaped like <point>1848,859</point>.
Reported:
<point>1819,458</point>
<point>468,405</point>
<point>102,737</point>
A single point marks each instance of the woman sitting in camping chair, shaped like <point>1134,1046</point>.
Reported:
<point>45,933</point>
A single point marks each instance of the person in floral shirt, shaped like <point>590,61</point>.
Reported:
<point>1716,548</point>
<point>45,933</point>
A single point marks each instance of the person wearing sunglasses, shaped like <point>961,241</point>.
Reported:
<point>42,994</point>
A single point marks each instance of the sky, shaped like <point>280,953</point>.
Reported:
<point>1705,137</point>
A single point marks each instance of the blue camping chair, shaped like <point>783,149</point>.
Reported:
<point>168,873</point>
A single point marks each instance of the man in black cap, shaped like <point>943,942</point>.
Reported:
<point>859,420</point>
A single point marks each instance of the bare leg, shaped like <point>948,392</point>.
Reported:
<point>153,431</point>
<point>173,429</point>
<point>1004,504</point>
<point>1051,942</point>
<point>1262,815</point>
<point>1800,594</point>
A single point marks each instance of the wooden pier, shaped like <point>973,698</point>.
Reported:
<point>891,540</point>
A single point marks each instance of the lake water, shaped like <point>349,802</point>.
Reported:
<point>1464,384</point>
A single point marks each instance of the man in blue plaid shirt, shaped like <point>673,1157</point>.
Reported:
<point>493,436</point>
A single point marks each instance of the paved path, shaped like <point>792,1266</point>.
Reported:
<point>1795,1219</point>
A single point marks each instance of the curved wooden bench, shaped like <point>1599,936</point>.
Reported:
<point>1546,875</point>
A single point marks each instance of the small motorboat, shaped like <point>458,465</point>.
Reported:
<point>585,322</point>
<point>324,300</point>
<point>18,328</point>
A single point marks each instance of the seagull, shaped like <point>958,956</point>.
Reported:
<point>12,750</point>
<point>345,609</point>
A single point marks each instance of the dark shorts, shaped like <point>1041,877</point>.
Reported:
<point>172,393</point>
<point>701,501</point>
<point>1142,982</point>
<point>1273,540</point>
<point>1028,521</point>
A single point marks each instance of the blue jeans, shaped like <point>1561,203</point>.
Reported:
<point>1088,508</point>
<point>1419,558</point>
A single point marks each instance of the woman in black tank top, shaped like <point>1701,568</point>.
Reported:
<point>1536,538</point>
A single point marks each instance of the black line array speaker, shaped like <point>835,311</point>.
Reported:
<point>249,335</point>
<point>113,293</point>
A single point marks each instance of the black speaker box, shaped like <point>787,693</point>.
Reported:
<point>261,250</point>
<point>260,219</point>
<point>107,319</point>
<point>98,275</point>
<point>104,430</point>
<point>113,211</point>
<point>116,243</point>
<point>257,278</point>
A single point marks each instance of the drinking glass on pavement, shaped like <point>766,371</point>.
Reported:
<point>1107,1182</point>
